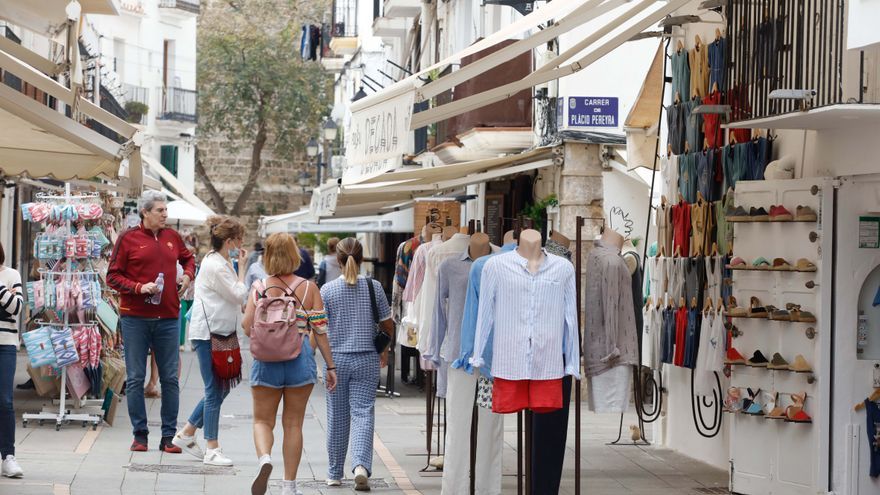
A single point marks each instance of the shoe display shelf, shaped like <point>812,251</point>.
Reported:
<point>793,457</point>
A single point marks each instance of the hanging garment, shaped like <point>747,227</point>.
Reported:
<point>314,42</point>
<point>681,74</point>
<point>687,177</point>
<point>681,225</point>
<point>664,229</point>
<point>692,338</point>
<point>693,124</point>
<point>717,64</point>
<point>695,279</point>
<point>699,65</point>
<point>713,277</point>
<point>726,279</point>
<point>304,47</point>
<point>637,296</point>
<point>669,168</point>
<point>452,282</point>
<point>712,122</point>
<point>872,419</point>
<point>710,357</point>
<point>676,273</point>
<point>740,109</point>
<point>649,327</point>
<point>699,212</point>
<point>413,288</point>
<point>725,229</point>
<point>667,336</point>
<point>675,122</point>
<point>705,174</point>
<point>711,230</point>
<point>532,318</point>
<point>757,157</point>
<point>681,327</point>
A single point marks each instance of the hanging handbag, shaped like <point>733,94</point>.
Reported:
<point>381,340</point>
<point>39,347</point>
<point>65,347</point>
<point>225,357</point>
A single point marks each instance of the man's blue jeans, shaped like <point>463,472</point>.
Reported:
<point>160,335</point>
<point>7,413</point>
<point>206,415</point>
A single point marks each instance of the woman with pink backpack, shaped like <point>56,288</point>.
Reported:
<point>281,312</point>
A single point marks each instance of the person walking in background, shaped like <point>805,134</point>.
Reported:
<point>10,311</point>
<point>306,267</point>
<point>329,269</point>
<point>289,379</point>
<point>254,256</point>
<point>142,269</point>
<point>351,407</point>
<point>216,312</point>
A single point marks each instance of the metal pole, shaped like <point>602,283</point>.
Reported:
<point>577,383</point>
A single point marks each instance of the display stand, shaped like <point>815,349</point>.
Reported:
<point>65,415</point>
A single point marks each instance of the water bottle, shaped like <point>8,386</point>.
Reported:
<point>157,298</point>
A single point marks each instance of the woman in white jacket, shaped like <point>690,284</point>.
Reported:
<point>216,309</point>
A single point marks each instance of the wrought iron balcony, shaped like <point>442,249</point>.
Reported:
<point>345,19</point>
<point>178,104</point>
<point>189,6</point>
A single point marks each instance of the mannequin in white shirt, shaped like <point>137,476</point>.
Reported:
<point>530,248</point>
<point>448,232</point>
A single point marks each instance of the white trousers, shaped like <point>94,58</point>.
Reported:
<point>461,388</point>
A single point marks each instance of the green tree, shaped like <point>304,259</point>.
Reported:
<point>254,87</point>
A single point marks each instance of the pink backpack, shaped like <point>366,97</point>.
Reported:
<point>275,335</point>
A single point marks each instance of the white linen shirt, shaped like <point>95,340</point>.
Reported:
<point>218,297</point>
<point>532,318</point>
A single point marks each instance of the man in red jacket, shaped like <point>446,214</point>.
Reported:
<point>150,312</point>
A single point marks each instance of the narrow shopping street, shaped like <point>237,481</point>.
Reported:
<point>81,461</point>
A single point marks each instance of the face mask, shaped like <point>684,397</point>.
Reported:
<point>233,253</point>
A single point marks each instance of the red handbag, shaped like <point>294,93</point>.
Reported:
<point>225,357</point>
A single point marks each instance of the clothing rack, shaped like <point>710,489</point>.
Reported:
<point>65,415</point>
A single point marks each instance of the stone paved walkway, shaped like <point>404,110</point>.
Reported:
<point>82,462</point>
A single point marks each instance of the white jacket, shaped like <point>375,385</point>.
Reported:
<point>218,297</point>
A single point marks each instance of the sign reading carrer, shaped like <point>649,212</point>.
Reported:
<point>377,137</point>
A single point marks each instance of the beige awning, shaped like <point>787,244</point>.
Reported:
<point>175,185</point>
<point>49,16</point>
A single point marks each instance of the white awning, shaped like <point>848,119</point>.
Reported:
<point>49,16</point>
<point>303,222</point>
<point>176,186</point>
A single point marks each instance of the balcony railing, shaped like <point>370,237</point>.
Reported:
<point>783,44</point>
<point>178,104</point>
<point>345,19</point>
<point>140,94</point>
<point>191,6</point>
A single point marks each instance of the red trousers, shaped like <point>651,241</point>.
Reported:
<point>541,396</point>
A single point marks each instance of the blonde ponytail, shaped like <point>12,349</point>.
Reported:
<point>350,271</point>
<point>350,253</point>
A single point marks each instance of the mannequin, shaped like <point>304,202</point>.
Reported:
<point>508,238</point>
<point>530,249</point>
<point>612,238</point>
<point>448,232</point>
<point>479,245</point>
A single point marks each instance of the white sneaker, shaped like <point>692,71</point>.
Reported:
<point>261,482</point>
<point>289,488</point>
<point>215,457</point>
<point>10,468</point>
<point>188,445</point>
<point>361,479</point>
<point>334,482</point>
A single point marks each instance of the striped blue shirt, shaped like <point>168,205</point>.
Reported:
<point>532,318</point>
<point>349,314</point>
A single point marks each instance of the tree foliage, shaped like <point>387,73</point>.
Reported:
<point>254,87</point>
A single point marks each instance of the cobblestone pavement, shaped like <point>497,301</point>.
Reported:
<point>78,461</point>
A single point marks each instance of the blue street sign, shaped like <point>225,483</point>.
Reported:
<point>592,111</point>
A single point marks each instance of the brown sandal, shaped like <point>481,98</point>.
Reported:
<point>755,308</point>
<point>734,310</point>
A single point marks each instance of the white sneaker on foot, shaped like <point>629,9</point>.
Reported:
<point>361,479</point>
<point>10,468</point>
<point>334,482</point>
<point>288,487</point>
<point>215,457</point>
<point>188,445</point>
<point>261,482</point>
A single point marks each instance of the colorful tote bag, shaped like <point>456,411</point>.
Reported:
<point>38,343</point>
<point>65,347</point>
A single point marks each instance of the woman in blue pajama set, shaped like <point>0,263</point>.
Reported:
<point>351,407</point>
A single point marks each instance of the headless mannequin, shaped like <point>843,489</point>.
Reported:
<point>612,238</point>
<point>448,232</point>
<point>508,238</point>
<point>530,249</point>
<point>479,245</point>
<point>424,233</point>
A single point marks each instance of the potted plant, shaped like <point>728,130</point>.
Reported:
<point>135,110</point>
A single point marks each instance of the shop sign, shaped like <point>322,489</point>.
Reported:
<point>376,138</point>
<point>592,111</point>
<point>869,232</point>
<point>523,7</point>
<point>323,202</point>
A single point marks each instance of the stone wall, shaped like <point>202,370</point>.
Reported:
<point>277,190</point>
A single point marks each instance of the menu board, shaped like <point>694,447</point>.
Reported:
<point>493,225</point>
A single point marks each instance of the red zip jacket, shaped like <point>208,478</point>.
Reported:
<point>138,257</point>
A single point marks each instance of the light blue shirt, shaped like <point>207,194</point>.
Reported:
<point>531,318</point>
<point>469,317</point>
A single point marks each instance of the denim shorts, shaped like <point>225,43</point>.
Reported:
<point>286,374</point>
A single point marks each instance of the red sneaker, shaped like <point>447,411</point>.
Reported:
<point>168,447</point>
<point>734,357</point>
<point>778,213</point>
<point>138,445</point>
